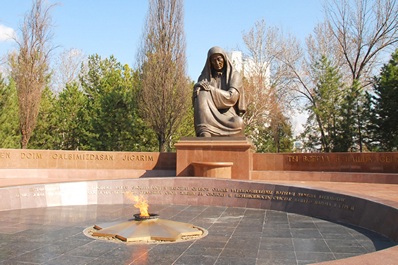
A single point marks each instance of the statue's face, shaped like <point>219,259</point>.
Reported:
<point>217,61</point>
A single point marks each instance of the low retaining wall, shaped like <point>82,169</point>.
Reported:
<point>36,165</point>
<point>368,214</point>
<point>328,162</point>
<point>56,159</point>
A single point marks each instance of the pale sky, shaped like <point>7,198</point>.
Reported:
<point>114,27</point>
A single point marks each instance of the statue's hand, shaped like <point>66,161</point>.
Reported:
<point>205,85</point>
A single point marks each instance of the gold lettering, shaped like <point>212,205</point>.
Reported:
<point>187,193</point>
<point>286,193</point>
<point>178,188</point>
<point>282,198</point>
<point>141,158</point>
<point>215,194</point>
<point>292,158</point>
<point>331,198</point>
<point>220,189</point>
<point>31,156</point>
<point>148,192</point>
<point>359,159</point>
<point>253,196</point>
<point>82,156</point>
<point>4,155</point>
<point>301,200</point>
<point>252,191</point>
<point>315,158</point>
<point>307,195</point>
<point>323,203</point>
<point>386,159</point>
<point>157,188</point>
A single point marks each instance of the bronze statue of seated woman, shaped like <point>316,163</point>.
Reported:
<point>218,98</point>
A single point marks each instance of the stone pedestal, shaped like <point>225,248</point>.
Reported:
<point>236,152</point>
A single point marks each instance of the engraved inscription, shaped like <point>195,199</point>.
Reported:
<point>354,159</point>
<point>76,156</point>
<point>359,159</point>
<point>260,194</point>
<point>5,155</point>
<point>316,158</point>
<point>284,196</point>
<point>31,155</point>
<point>141,158</point>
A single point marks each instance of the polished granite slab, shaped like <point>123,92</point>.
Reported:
<point>54,235</point>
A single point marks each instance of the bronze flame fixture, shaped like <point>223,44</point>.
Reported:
<point>148,229</point>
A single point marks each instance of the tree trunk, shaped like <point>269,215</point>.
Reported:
<point>162,146</point>
<point>24,141</point>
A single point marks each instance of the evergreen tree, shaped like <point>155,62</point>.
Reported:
<point>383,108</point>
<point>73,119</point>
<point>370,129</point>
<point>351,125</point>
<point>280,134</point>
<point>323,107</point>
<point>9,123</point>
<point>310,136</point>
<point>46,132</point>
<point>274,136</point>
<point>114,124</point>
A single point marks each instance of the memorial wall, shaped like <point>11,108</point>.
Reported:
<point>327,162</point>
<point>51,159</point>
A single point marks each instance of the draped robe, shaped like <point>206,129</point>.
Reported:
<point>217,110</point>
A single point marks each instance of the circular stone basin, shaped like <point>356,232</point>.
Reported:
<point>148,230</point>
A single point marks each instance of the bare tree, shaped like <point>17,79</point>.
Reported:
<point>323,43</point>
<point>267,77</point>
<point>353,37</point>
<point>29,67</point>
<point>165,88</point>
<point>267,82</point>
<point>363,30</point>
<point>300,63</point>
<point>67,68</point>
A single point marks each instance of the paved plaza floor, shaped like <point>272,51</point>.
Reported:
<point>54,235</point>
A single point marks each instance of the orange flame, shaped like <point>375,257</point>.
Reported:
<point>140,203</point>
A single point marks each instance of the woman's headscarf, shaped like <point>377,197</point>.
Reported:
<point>232,77</point>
